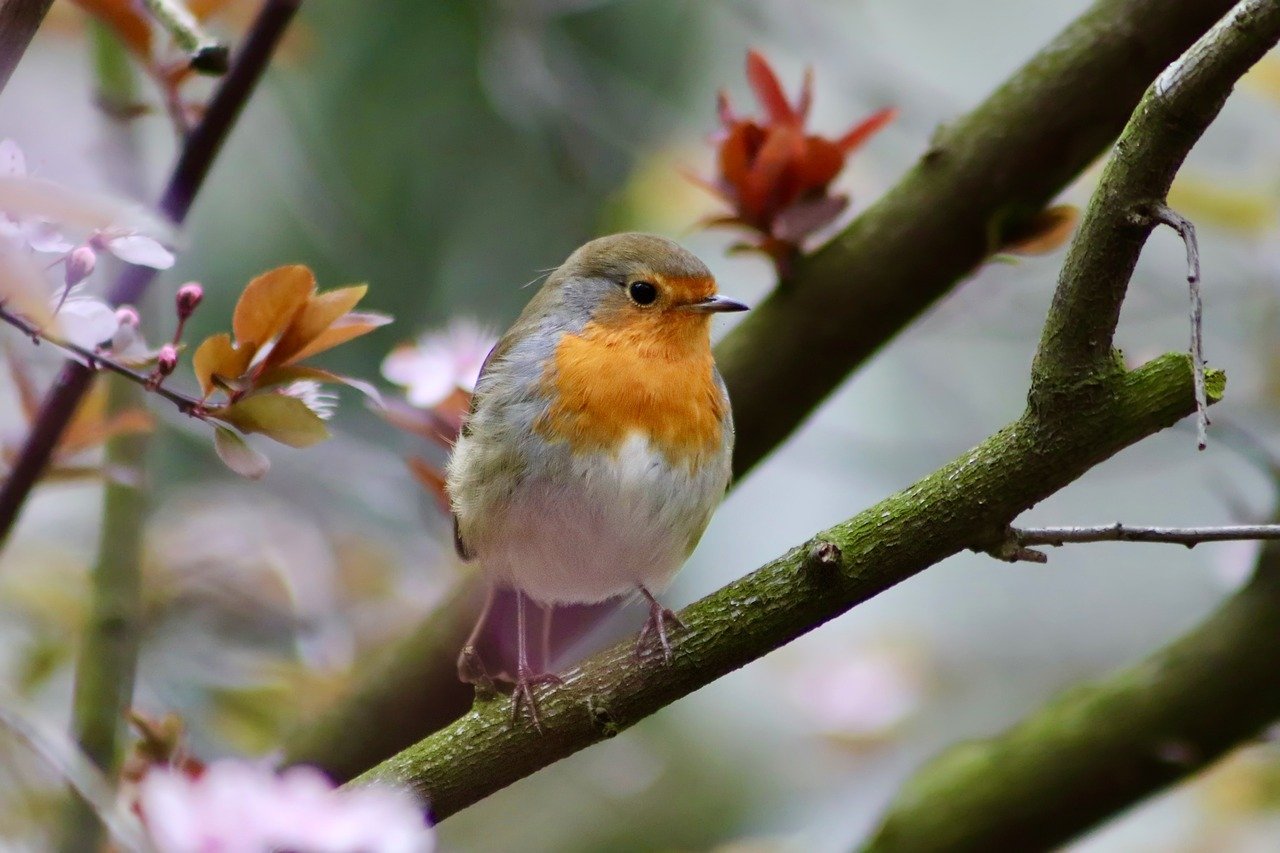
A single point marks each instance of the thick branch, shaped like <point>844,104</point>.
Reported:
<point>1101,747</point>
<point>198,153</point>
<point>19,20</point>
<point>982,175</point>
<point>999,163</point>
<point>968,501</point>
<point>1097,751</point>
<point>1129,198</point>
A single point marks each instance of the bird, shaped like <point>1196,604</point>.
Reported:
<point>598,443</point>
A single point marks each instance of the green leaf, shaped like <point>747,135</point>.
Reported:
<point>238,455</point>
<point>279,416</point>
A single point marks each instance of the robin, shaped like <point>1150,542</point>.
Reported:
<point>598,444</point>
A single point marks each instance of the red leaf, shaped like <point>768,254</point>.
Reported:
<point>769,91</point>
<point>821,162</point>
<point>863,131</point>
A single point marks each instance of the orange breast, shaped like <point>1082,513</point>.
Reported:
<point>653,379</point>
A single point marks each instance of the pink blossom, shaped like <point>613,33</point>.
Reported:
<point>36,234</point>
<point>238,806</point>
<point>440,362</point>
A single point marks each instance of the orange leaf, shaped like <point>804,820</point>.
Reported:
<point>319,313</point>
<point>217,356</point>
<point>345,328</point>
<point>767,88</point>
<point>431,479</point>
<point>90,434</point>
<point>286,419</point>
<point>270,302</point>
<point>863,131</point>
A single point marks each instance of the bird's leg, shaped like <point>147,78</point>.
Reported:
<point>547,611</point>
<point>470,668</point>
<point>526,679</point>
<point>657,624</point>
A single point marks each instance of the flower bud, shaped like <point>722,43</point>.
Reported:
<point>127,315</point>
<point>188,299</point>
<point>167,359</point>
<point>80,262</point>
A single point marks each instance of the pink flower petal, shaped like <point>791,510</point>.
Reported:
<point>12,161</point>
<point>140,250</point>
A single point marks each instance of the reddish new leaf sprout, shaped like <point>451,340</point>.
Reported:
<point>774,174</point>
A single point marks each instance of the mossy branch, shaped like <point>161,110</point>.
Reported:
<point>966,504</point>
<point>1083,407</point>
<point>1102,748</point>
<point>992,167</point>
<point>981,177</point>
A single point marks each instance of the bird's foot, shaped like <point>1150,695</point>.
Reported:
<point>525,681</point>
<point>657,624</point>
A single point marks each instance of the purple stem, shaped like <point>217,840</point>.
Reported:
<point>19,20</point>
<point>198,152</point>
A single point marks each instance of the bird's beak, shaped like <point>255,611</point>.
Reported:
<point>715,305</point>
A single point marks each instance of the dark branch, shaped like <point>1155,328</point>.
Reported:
<point>198,153</point>
<point>19,20</point>
<point>94,360</point>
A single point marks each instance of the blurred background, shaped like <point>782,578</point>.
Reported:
<point>448,154</point>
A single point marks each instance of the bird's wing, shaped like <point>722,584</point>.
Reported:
<point>498,349</point>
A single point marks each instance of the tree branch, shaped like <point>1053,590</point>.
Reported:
<point>968,501</point>
<point>94,360</point>
<point>1098,750</point>
<point>983,175</point>
<point>994,166</point>
<point>198,153</point>
<point>1101,747</point>
<point>1175,111</point>
<point>1188,536</point>
<point>1083,407</point>
<point>19,20</point>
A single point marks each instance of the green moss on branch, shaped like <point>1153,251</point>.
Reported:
<point>962,505</point>
<point>1027,141</point>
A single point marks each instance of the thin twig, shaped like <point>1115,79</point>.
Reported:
<point>94,360</point>
<point>198,153</point>
<point>1024,538</point>
<point>1187,231</point>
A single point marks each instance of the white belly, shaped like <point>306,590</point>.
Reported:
<point>594,527</point>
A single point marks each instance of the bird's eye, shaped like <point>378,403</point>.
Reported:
<point>643,292</point>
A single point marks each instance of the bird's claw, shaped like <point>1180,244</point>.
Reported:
<point>657,624</point>
<point>523,694</point>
